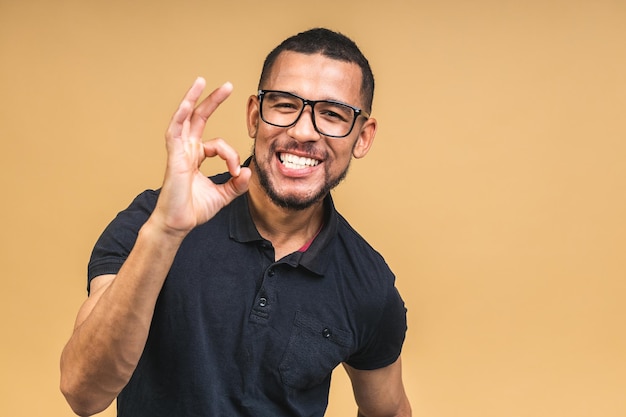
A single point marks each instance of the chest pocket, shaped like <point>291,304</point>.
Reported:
<point>314,350</point>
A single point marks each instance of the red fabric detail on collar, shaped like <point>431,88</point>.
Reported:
<point>308,244</point>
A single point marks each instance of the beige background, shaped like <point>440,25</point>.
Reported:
<point>500,165</point>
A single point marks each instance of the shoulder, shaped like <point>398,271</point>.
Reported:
<point>381,312</point>
<point>360,254</point>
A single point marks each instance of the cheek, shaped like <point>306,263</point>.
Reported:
<point>266,133</point>
<point>264,146</point>
<point>342,152</point>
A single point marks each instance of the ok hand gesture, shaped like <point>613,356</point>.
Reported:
<point>188,198</point>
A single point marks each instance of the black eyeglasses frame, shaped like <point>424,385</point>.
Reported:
<point>357,111</point>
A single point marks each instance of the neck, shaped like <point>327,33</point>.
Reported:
<point>287,229</point>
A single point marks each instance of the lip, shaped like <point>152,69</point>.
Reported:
<point>300,153</point>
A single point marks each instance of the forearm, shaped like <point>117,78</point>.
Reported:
<point>404,412</point>
<point>110,336</point>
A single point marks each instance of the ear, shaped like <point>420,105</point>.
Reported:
<point>253,116</point>
<point>365,139</point>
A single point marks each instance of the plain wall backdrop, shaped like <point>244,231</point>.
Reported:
<point>495,188</point>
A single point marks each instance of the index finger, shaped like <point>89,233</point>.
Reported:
<point>219,147</point>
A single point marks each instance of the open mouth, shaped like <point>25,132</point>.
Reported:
<point>297,162</point>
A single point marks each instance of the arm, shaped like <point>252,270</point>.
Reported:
<point>112,324</point>
<point>380,392</point>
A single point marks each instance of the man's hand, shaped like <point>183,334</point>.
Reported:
<point>188,198</point>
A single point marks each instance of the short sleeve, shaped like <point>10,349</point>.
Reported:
<point>385,343</point>
<point>118,238</point>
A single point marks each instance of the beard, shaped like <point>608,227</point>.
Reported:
<point>292,202</point>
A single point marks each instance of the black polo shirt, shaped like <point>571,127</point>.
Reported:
<point>236,333</point>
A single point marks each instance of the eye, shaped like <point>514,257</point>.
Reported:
<point>282,102</point>
<point>331,115</point>
<point>334,112</point>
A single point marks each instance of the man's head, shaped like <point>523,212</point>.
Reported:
<point>329,44</point>
<point>307,120</point>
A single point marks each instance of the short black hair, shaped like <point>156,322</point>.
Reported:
<point>330,44</point>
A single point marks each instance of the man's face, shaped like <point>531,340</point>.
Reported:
<point>297,166</point>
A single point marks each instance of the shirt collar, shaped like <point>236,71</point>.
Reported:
<point>243,230</point>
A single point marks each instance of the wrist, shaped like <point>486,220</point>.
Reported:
<point>158,231</point>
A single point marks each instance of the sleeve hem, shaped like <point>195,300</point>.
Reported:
<point>103,267</point>
<point>374,365</point>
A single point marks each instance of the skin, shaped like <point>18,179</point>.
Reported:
<point>112,324</point>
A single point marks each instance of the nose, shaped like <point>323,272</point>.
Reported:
<point>303,130</point>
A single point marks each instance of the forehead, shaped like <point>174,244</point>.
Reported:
<point>316,77</point>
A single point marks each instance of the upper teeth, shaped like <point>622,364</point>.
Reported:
<point>297,162</point>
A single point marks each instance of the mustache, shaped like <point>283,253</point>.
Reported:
<point>309,148</point>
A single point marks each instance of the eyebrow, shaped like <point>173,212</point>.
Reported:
<point>280,93</point>
<point>332,100</point>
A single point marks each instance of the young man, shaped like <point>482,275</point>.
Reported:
<point>238,295</point>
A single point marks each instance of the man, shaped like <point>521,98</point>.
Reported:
<point>238,295</point>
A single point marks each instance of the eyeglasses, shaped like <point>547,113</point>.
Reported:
<point>330,118</point>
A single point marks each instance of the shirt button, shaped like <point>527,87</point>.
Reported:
<point>326,333</point>
<point>262,301</point>
<point>270,272</point>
